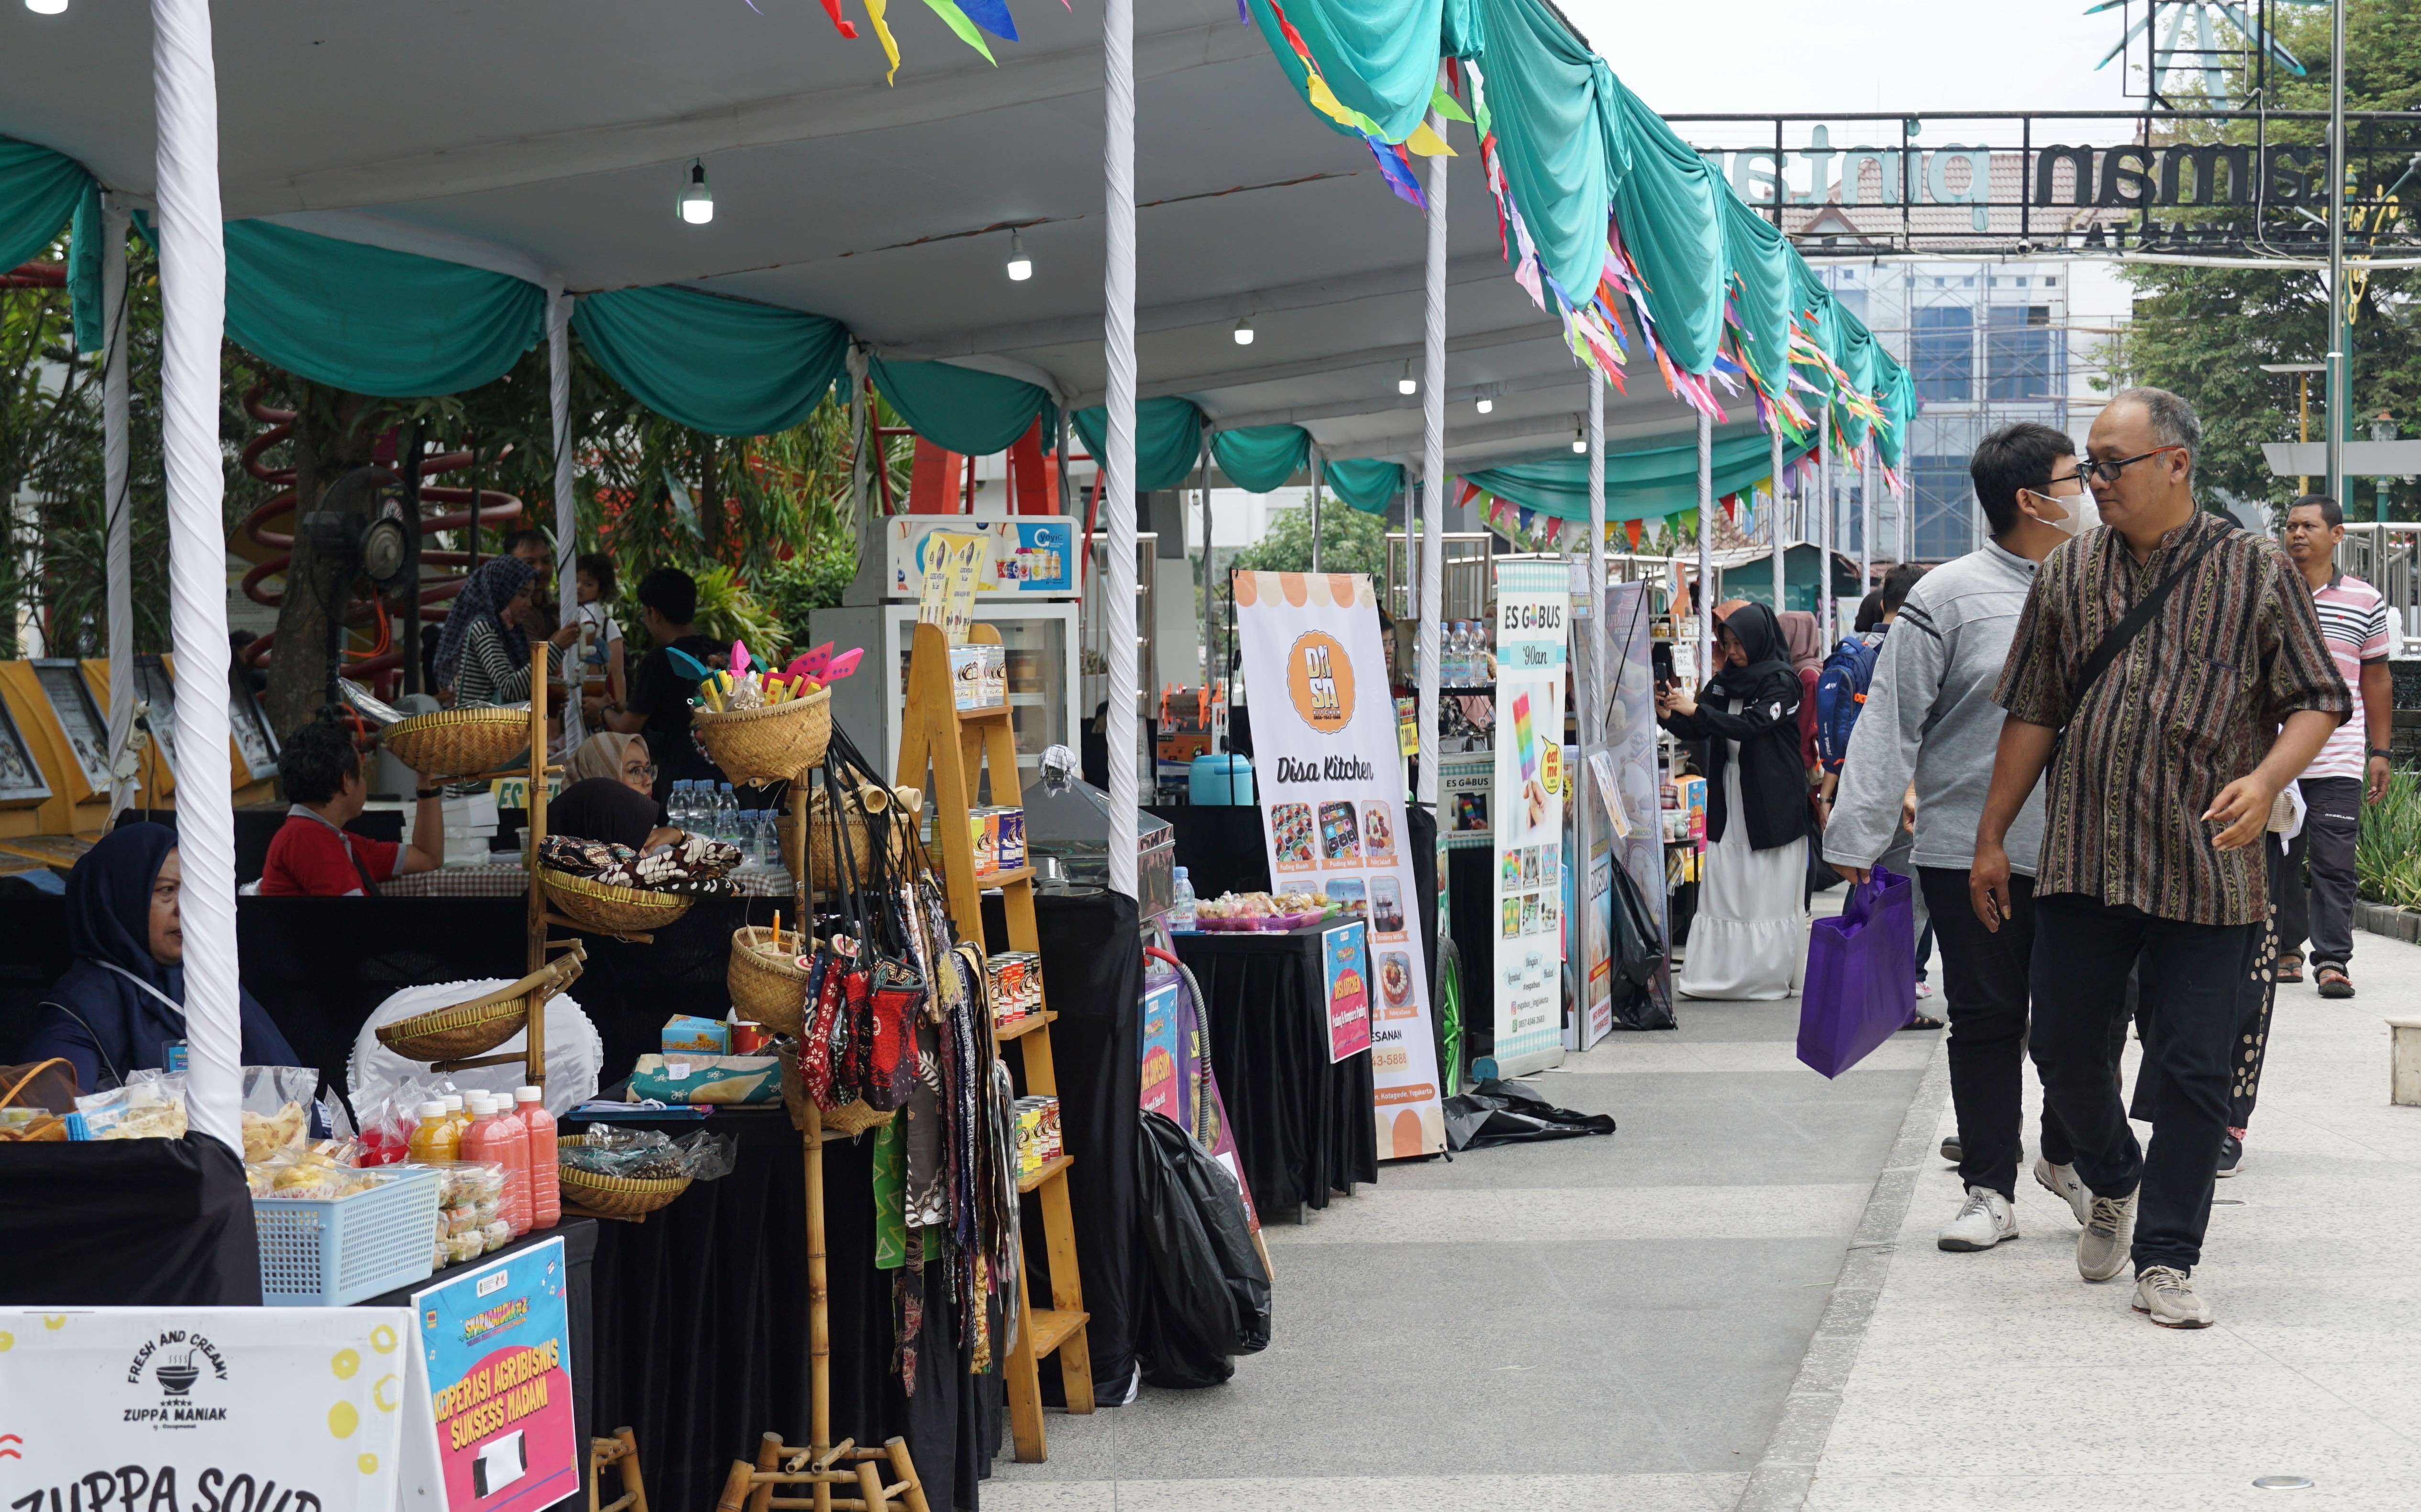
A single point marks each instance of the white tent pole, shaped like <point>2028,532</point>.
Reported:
<point>1432,467</point>
<point>567,513</point>
<point>1825,620</point>
<point>1210,586</point>
<point>1117,500</point>
<point>1774,533</point>
<point>118,506</point>
<point>1867,506</point>
<point>1315,509</point>
<point>1704,599</point>
<point>1593,717</point>
<point>193,299</point>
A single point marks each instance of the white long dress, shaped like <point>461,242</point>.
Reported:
<point>1749,940</point>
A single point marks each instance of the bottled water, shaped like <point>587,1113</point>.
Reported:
<point>1454,657</point>
<point>680,810</point>
<point>1180,909</point>
<point>725,827</point>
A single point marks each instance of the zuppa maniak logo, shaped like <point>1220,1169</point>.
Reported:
<point>177,1361</point>
<point>1320,681</point>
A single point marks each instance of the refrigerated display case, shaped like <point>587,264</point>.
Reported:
<point>1037,635</point>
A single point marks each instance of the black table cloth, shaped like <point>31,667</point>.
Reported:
<point>1304,1126</point>
<point>126,1222</point>
<point>702,1326</point>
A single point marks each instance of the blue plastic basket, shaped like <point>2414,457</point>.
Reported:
<point>333,1252</point>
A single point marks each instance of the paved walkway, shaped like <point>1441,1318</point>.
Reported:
<point>1597,1324</point>
<point>2002,1381</point>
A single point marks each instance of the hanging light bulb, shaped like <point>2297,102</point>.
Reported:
<point>46,7</point>
<point>1408,384</point>
<point>1486,404</point>
<point>1580,441</point>
<point>697,202</point>
<point>1244,332</point>
<point>1021,267</point>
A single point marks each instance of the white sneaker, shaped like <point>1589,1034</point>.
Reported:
<point>2063,1182</point>
<point>1984,1220</point>
<point>2167,1297</point>
<point>2108,1234</point>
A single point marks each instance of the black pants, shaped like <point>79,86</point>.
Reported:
<point>2252,1042</point>
<point>2192,981</point>
<point>2322,908</point>
<point>1985,983</point>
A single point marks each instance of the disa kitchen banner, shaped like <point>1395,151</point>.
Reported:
<point>1331,783</point>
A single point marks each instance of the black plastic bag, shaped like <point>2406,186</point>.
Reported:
<point>1209,1296</point>
<point>1638,960</point>
<point>1508,1113</point>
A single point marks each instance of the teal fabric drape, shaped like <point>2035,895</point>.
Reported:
<point>1669,208</point>
<point>1260,458</point>
<point>1382,59</point>
<point>1168,440</point>
<point>371,320</point>
<point>1856,355</point>
<point>41,192</point>
<point>729,367</point>
<point>83,274</point>
<point>1364,483</point>
<point>962,409</point>
<point>1563,138</point>
<point>1900,403</point>
<point>1760,260</point>
<point>1641,483</point>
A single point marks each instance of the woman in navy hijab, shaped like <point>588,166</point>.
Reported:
<point>117,1011</point>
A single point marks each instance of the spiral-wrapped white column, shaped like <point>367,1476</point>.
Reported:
<point>193,301</point>
<point>116,506</point>
<point>1118,461</point>
<point>1705,600</point>
<point>1433,598</point>
<point>567,512</point>
<point>1774,533</point>
<point>1593,714</point>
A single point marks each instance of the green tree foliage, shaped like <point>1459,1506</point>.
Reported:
<point>1350,542</point>
<point>2206,331</point>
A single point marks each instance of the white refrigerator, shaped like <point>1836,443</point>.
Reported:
<point>1038,636</point>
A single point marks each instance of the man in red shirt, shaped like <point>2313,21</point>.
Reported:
<point>313,854</point>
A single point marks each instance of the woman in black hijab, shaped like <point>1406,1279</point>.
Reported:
<point>119,1007</point>
<point>1749,937</point>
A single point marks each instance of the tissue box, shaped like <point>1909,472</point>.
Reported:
<point>688,1032</point>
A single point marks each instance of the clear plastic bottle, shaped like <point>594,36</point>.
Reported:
<point>681,810</point>
<point>1180,909</point>
<point>726,816</point>
<point>432,1139</point>
<point>1458,661</point>
<point>537,1133</point>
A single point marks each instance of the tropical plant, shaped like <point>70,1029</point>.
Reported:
<point>2388,852</point>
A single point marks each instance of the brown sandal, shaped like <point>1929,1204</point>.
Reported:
<point>1923,1022</point>
<point>2291,968</point>
<point>2333,981</point>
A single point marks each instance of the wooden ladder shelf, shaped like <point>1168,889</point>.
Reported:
<point>959,748</point>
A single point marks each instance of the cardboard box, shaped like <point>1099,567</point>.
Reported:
<point>688,1032</point>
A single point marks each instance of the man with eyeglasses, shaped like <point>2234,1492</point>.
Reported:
<point>2171,674</point>
<point>2353,616</point>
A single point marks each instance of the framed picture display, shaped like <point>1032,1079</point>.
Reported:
<point>87,735</point>
<point>249,723</point>
<point>20,775</point>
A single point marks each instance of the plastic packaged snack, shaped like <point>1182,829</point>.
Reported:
<point>151,1105</point>
<point>497,1234</point>
<point>649,1154</point>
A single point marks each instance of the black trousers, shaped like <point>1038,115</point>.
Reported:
<point>1985,988</point>
<point>2191,980</point>
<point>2322,908</point>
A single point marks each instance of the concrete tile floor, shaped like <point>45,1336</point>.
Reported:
<point>1602,1323</point>
<point>2001,1379</point>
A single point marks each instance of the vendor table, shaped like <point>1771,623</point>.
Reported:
<point>702,1326</point>
<point>510,879</point>
<point>1304,1126</point>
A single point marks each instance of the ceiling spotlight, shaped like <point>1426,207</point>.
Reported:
<point>1408,384</point>
<point>1486,404</point>
<point>1579,443</point>
<point>1021,267</point>
<point>1244,332</point>
<point>697,202</point>
<point>46,7</point>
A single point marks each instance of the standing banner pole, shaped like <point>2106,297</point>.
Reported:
<point>1432,466</point>
<point>193,304</point>
<point>1118,464</point>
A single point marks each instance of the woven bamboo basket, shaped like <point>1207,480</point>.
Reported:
<point>479,1025</point>
<point>775,743</point>
<point>615,1197</point>
<point>459,742</point>
<point>900,818</point>
<point>609,910</point>
<point>856,1118</point>
<point>766,990</point>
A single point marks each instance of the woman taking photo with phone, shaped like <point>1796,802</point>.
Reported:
<point>1749,938</point>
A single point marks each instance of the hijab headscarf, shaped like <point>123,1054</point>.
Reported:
<point>603,808</point>
<point>484,595</point>
<point>599,755</point>
<point>118,1009</point>
<point>1805,638</point>
<point>1753,625</point>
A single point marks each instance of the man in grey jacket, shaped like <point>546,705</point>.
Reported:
<point>1930,716</point>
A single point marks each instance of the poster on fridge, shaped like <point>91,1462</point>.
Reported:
<point>1533,606</point>
<point>1332,796</point>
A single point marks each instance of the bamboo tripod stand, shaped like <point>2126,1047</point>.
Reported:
<point>960,747</point>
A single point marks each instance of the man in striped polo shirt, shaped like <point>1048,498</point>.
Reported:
<point>2353,617</point>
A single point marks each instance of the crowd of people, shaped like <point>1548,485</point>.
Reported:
<point>2122,746</point>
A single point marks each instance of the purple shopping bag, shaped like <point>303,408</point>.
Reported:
<point>1860,986</point>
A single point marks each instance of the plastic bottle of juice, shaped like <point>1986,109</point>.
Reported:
<point>457,1113</point>
<point>498,1138</point>
<point>433,1137</point>
<point>546,1192</point>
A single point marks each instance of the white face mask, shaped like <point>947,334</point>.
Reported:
<point>2073,521</point>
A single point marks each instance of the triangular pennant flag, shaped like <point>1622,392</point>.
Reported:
<point>848,29</point>
<point>957,21</point>
<point>1630,529</point>
<point>1448,106</point>
<point>882,35</point>
<point>993,16</point>
<point>1428,144</point>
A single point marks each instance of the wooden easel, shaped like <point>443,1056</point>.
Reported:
<point>960,747</point>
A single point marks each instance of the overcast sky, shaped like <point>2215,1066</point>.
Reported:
<point>1920,55</point>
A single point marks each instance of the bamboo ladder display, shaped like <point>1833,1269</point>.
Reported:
<point>961,747</point>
